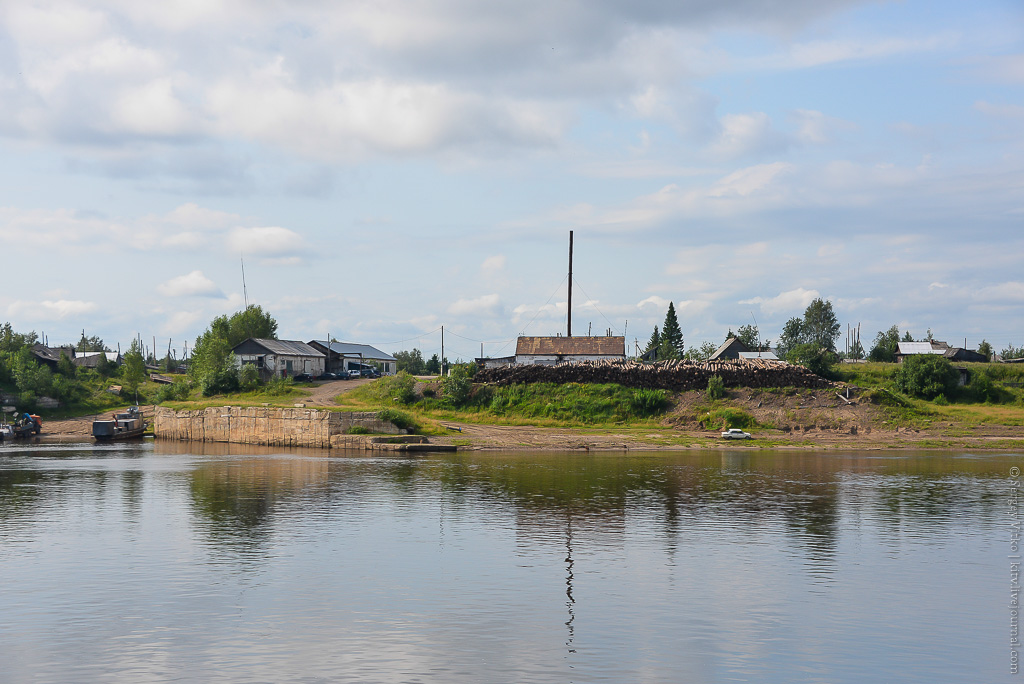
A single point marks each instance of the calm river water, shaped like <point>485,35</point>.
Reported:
<point>189,562</point>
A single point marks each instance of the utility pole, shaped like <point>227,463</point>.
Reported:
<point>568,326</point>
<point>442,351</point>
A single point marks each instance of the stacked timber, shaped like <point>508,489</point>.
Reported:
<point>677,376</point>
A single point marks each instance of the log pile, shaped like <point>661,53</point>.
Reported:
<point>677,376</point>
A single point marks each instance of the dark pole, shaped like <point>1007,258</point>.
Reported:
<point>568,327</point>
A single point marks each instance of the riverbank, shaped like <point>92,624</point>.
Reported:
<point>477,437</point>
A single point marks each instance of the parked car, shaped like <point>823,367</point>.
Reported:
<point>736,433</point>
<point>353,374</point>
<point>327,376</point>
<point>303,377</point>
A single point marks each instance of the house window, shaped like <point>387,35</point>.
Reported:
<point>288,366</point>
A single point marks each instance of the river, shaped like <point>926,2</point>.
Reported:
<point>163,562</point>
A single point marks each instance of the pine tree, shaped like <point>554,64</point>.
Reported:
<point>671,334</point>
<point>655,340</point>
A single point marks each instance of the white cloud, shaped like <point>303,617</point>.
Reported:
<point>748,134</point>
<point>655,302</point>
<point>268,241</point>
<point>820,52</point>
<point>484,305</point>
<point>188,285</point>
<point>493,265</point>
<point>792,301</point>
<point>48,310</point>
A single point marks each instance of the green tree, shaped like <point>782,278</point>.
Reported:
<point>985,349</point>
<point>716,387</point>
<point>410,361</point>
<point>814,358</point>
<point>926,375</point>
<point>702,353</point>
<point>792,336</point>
<point>671,346</point>
<point>457,386</point>
<point>820,325</point>
<point>749,336</point>
<point>89,344</point>
<point>134,371</point>
<point>1012,352</point>
<point>907,337</point>
<point>103,366</point>
<point>655,340</point>
<point>433,366</point>
<point>886,345</point>
<point>252,321</point>
<point>11,341</point>
<point>65,366</point>
<point>30,377</point>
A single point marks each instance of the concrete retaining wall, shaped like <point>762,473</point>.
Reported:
<point>263,425</point>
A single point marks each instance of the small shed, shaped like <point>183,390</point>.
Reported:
<point>279,358</point>
<point>552,350</point>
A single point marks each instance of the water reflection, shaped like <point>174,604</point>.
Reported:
<point>252,564</point>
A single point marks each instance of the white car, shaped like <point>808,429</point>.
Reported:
<point>736,433</point>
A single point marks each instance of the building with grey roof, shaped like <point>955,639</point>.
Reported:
<point>345,356</point>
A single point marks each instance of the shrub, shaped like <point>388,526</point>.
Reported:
<point>455,388</point>
<point>927,376</point>
<point>399,388</point>
<point>222,381</point>
<point>729,417</point>
<point>814,358</point>
<point>248,377</point>
<point>399,419</point>
<point>357,430</point>
<point>176,391</point>
<point>646,402</point>
<point>716,387</point>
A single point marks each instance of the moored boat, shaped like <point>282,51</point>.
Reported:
<point>126,425</point>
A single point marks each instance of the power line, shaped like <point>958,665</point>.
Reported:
<point>591,302</point>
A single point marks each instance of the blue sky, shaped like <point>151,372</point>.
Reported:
<point>388,168</point>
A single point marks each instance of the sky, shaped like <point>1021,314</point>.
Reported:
<point>386,168</point>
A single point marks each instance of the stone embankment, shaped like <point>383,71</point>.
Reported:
<point>677,376</point>
<point>300,427</point>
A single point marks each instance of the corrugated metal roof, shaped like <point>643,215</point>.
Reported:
<point>352,349</point>
<point>285,347</point>
<point>766,355</point>
<point>911,348</point>
<point>572,346</point>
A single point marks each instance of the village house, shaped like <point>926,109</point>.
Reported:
<point>937,348</point>
<point>279,358</point>
<point>343,357</point>
<point>551,350</point>
<point>91,359</point>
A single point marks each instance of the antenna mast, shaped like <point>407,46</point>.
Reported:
<point>245,293</point>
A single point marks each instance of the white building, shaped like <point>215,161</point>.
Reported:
<point>279,358</point>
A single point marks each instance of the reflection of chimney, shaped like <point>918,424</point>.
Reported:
<point>568,582</point>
